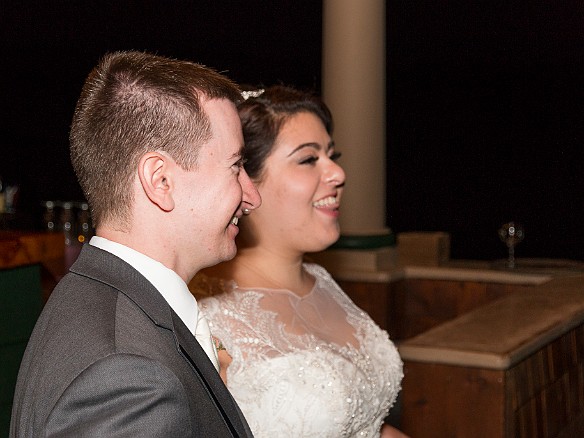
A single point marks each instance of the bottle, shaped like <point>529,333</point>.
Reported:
<point>49,216</point>
<point>83,223</point>
<point>2,197</point>
<point>67,223</point>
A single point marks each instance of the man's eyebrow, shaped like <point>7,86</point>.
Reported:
<point>237,154</point>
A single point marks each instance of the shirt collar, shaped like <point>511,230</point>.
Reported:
<point>170,285</point>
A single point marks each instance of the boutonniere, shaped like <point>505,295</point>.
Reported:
<point>218,345</point>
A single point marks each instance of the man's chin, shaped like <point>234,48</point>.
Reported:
<point>228,253</point>
<point>230,257</point>
<point>223,255</point>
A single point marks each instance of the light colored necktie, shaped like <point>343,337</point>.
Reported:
<point>203,336</point>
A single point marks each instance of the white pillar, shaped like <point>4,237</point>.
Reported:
<point>354,89</point>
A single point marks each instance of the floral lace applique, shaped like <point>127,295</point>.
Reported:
<point>296,369</point>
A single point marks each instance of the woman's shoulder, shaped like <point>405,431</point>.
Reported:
<point>325,282</point>
<point>328,286</point>
<point>317,270</point>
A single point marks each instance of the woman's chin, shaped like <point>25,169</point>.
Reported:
<point>326,241</point>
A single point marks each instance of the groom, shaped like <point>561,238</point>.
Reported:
<point>156,145</point>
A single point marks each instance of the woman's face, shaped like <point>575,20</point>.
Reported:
<point>301,189</point>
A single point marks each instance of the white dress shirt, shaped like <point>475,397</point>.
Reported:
<point>171,286</point>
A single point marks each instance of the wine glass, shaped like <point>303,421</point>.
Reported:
<point>511,234</point>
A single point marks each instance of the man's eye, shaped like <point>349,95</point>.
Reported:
<point>238,165</point>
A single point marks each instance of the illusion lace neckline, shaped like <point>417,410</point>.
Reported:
<point>281,290</point>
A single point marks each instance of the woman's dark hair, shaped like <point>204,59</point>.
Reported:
<point>264,112</point>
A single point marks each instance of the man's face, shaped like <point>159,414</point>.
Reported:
<point>211,196</point>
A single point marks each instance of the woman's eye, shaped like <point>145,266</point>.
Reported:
<point>335,156</point>
<point>309,160</point>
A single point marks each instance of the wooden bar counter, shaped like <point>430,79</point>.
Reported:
<point>19,248</point>
<point>487,352</point>
<point>35,248</point>
<point>25,262</point>
<point>511,368</point>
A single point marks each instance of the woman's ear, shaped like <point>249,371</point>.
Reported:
<point>155,173</point>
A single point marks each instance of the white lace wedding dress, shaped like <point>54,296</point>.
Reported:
<point>312,366</point>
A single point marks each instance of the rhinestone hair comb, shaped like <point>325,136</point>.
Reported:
<point>254,93</point>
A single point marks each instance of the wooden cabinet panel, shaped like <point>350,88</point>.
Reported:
<point>373,298</point>
<point>408,307</point>
<point>419,304</point>
<point>448,401</point>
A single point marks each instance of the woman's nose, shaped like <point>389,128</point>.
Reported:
<point>334,174</point>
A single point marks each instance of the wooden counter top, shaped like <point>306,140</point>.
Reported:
<point>19,248</point>
<point>500,334</point>
<point>529,271</point>
<point>456,272</point>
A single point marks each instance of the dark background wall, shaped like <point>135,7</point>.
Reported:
<point>48,48</point>
<point>486,122</point>
<point>485,100</point>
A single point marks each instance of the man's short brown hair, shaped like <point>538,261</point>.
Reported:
<point>133,103</point>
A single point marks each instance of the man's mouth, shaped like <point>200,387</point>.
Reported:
<point>234,220</point>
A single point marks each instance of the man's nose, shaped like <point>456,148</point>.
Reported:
<point>251,196</point>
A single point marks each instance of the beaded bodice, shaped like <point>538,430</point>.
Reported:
<point>312,366</point>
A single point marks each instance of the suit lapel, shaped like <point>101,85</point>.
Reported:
<point>107,268</point>
<point>210,379</point>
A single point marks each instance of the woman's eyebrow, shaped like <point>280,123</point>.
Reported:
<point>312,145</point>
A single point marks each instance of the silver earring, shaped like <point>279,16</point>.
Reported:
<point>246,211</point>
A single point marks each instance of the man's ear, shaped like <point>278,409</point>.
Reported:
<point>155,173</point>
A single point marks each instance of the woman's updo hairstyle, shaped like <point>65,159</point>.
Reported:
<point>263,114</point>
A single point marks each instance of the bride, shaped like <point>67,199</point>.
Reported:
<point>301,358</point>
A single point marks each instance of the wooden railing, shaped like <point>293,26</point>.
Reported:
<point>22,258</point>
<point>484,357</point>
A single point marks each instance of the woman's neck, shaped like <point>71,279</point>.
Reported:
<point>255,267</point>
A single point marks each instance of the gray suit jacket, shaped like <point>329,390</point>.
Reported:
<point>109,357</point>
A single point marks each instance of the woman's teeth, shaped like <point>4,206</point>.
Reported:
<point>326,202</point>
